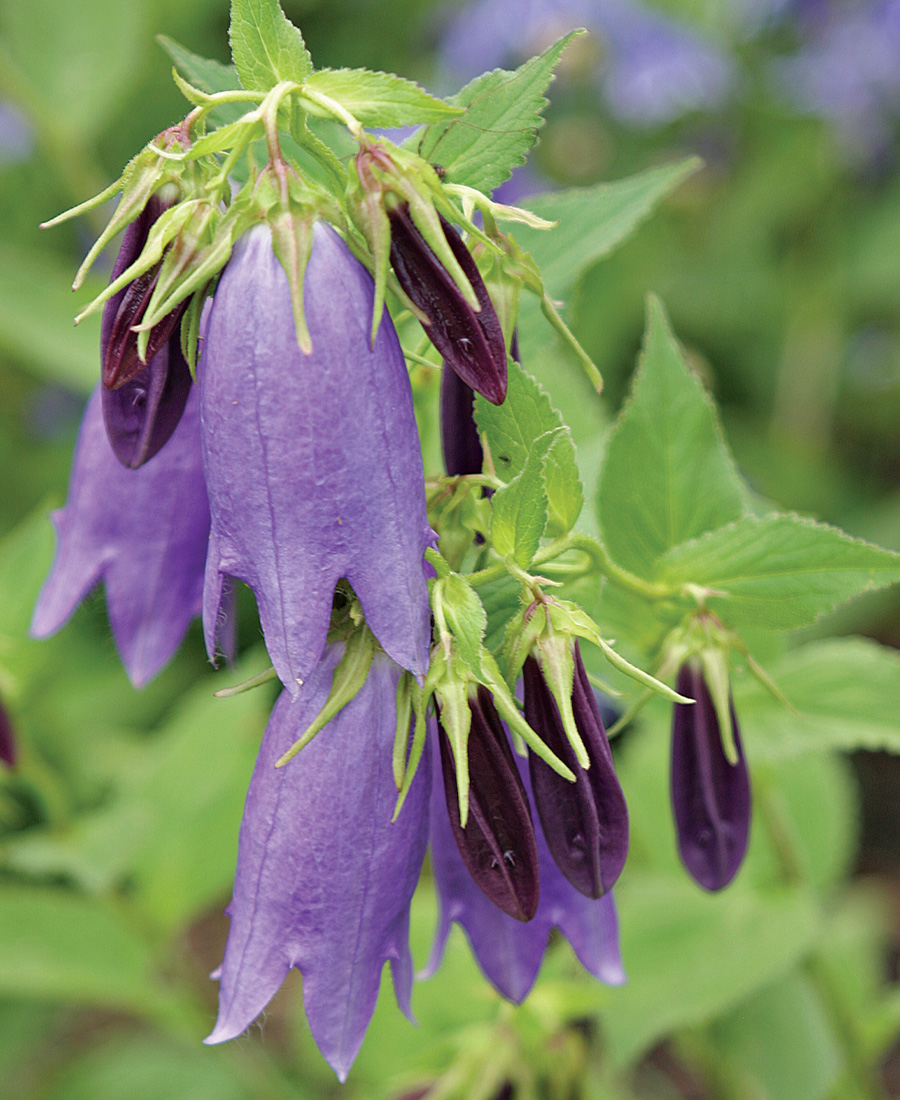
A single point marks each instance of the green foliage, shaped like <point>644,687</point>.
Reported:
<point>779,572</point>
<point>667,476</point>
<point>519,509</point>
<point>380,99</point>
<point>267,48</point>
<point>503,113</point>
<point>843,693</point>
<point>512,430</point>
<point>670,933</point>
<point>594,220</point>
<point>58,946</point>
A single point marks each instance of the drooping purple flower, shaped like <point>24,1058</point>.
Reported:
<point>143,532</point>
<point>508,951</point>
<point>324,878</point>
<point>710,797</point>
<point>313,463</point>
<point>497,844</point>
<point>470,342</point>
<point>8,749</point>
<point>585,823</point>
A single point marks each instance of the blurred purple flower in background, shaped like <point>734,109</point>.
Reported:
<point>652,69</point>
<point>847,68</point>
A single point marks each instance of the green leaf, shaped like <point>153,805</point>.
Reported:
<point>593,221</point>
<point>380,99</point>
<point>845,694</point>
<point>503,114</point>
<point>37,308</point>
<point>267,48</point>
<point>565,496</point>
<point>519,509</point>
<point>780,1042</point>
<point>209,76</point>
<point>466,618</point>
<point>690,955</point>
<point>57,946</point>
<point>667,475</point>
<point>512,427</point>
<point>203,72</point>
<point>779,572</point>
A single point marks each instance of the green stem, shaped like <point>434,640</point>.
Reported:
<point>552,314</point>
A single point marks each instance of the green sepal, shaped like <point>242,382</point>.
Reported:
<point>143,175</point>
<point>507,709</point>
<point>190,329</point>
<point>401,734</point>
<point>558,667</point>
<point>169,224</point>
<point>349,676</point>
<point>459,611</point>
<point>247,685</point>
<point>449,678</point>
<point>714,662</point>
<point>569,617</point>
<point>415,748</point>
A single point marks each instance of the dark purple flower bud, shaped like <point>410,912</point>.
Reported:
<point>8,750</point>
<point>120,361</point>
<point>470,342</point>
<point>497,844</point>
<point>459,432</point>
<point>508,951</point>
<point>585,823</point>
<point>142,414</point>
<point>710,797</point>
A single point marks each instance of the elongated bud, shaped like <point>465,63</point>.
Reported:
<point>471,342</point>
<point>459,432</point>
<point>585,823</point>
<point>497,844</point>
<point>710,797</point>
<point>142,415</point>
<point>119,343</point>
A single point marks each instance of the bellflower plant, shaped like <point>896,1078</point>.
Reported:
<point>269,436</point>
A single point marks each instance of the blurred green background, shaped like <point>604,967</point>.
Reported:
<point>780,265</point>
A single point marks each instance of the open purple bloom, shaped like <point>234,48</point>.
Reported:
<point>497,844</point>
<point>585,823</point>
<point>313,463</point>
<point>143,532</point>
<point>508,951</point>
<point>710,797</point>
<point>324,878</point>
<point>470,342</point>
